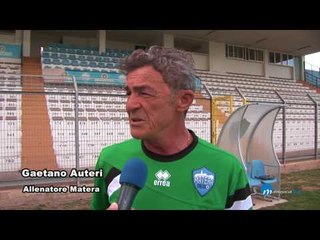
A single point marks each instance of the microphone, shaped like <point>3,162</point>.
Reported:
<point>133,177</point>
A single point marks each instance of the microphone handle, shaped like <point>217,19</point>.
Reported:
<point>127,195</point>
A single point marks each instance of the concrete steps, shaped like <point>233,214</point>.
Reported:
<point>37,143</point>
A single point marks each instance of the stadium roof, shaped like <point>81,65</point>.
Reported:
<point>295,42</point>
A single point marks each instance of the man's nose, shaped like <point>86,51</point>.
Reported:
<point>132,103</point>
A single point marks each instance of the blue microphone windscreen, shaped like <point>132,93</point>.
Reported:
<point>134,172</point>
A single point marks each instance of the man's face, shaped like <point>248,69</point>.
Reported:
<point>150,105</point>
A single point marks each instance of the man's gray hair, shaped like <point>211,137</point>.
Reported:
<point>176,66</point>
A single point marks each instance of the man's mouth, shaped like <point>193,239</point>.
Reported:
<point>136,120</point>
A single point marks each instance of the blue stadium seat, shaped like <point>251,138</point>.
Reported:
<point>45,55</point>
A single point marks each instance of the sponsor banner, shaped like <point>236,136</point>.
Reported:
<point>10,51</point>
<point>56,75</point>
<point>97,78</point>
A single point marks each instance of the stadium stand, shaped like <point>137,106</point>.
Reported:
<point>300,110</point>
<point>10,116</point>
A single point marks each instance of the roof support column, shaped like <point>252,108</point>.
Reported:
<point>26,45</point>
<point>102,40</point>
<point>168,40</point>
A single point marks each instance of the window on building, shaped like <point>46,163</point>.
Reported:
<point>271,57</point>
<point>278,58</point>
<point>281,58</point>
<point>259,55</point>
<point>290,60</point>
<point>284,59</point>
<point>244,53</point>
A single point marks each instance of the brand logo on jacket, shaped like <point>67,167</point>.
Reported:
<point>203,180</point>
<point>162,178</point>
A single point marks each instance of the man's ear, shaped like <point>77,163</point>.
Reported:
<point>185,98</point>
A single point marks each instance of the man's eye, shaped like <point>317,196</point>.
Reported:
<point>128,93</point>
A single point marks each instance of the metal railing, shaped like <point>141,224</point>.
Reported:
<point>312,74</point>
